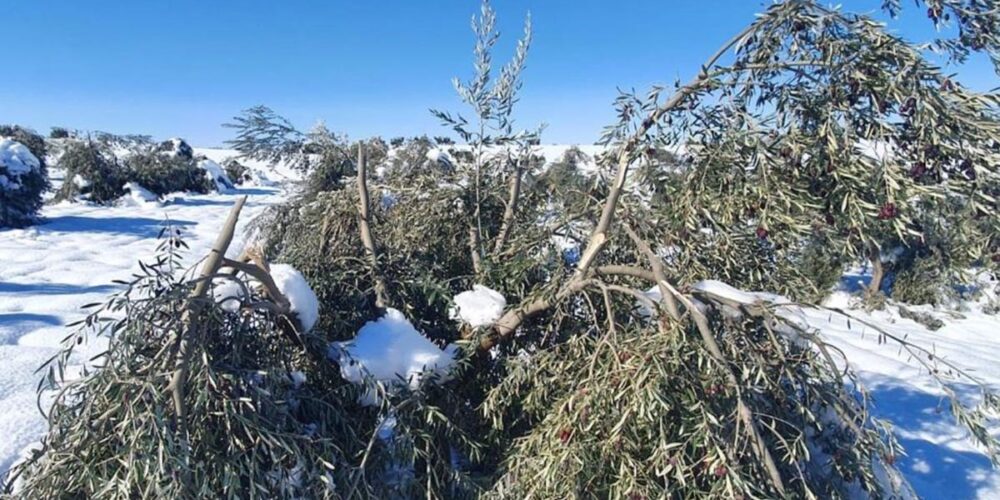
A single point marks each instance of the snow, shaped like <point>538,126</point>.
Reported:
<point>216,174</point>
<point>390,349</point>
<point>137,195</point>
<point>262,173</point>
<point>643,307</point>
<point>300,295</point>
<point>15,160</point>
<point>228,294</point>
<point>481,306</point>
<point>724,291</point>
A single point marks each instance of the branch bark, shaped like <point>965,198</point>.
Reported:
<point>192,315</point>
<point>364,214</point>
<point>510,210</point>
<point>878,270</point>
<point>658,271</point>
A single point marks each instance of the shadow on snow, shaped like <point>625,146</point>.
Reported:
<point>136,226</point>
<point>931,467</point>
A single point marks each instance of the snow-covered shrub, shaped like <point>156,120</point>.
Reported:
<point>240,386</point>
<point>23,179</point>
<point>176,147</point>
<point>29,138</point>
<point>236,171</point>
<point>92,173</point>
<point>165,173</point>
<point>215,174</point>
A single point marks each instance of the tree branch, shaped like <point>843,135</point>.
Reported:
<point>510,210</point>
<point>364,214</point>
<point>193,311</point>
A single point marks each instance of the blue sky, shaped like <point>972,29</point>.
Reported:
<point>181,68</point>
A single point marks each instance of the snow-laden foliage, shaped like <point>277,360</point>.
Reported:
<point>709,392</point>
<point>23,179</point>
<point>165,173</point>
<point>236,171</point>
<point>177,148</point>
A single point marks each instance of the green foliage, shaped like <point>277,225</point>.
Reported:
<point>256,431</point>
<point>643,409</point>
<point>788,142</point>
<point>978,24</point>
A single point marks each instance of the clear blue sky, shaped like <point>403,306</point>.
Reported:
<point>181,68</point>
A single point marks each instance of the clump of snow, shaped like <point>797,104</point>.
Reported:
<point>481,306</point>
<point>643,307</point>
<point>298,378</point>
<point>228,294</point>
<point>390,349</point>
<point>137,195</point>
<point>216,174</point>
<point>80,182</point>
<point>15,161</point>
<point>300,295</point>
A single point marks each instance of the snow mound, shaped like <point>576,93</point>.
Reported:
<point>300,295</point>
<point>216,174</point>
<point>137,195</point>
<point>228,294</point>
<point>15,161</point>
<point>388,349</point>
<point>478,307</point>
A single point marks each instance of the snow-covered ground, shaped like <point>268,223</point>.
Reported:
<point>48,271</point>
<point>941,463</point>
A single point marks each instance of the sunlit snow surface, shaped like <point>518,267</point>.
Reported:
<point>49,270</point>
<point>391,350</point>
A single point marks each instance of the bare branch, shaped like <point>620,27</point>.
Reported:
<point>364,215</point>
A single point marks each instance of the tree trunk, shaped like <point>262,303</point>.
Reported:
<point>878,271</point>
